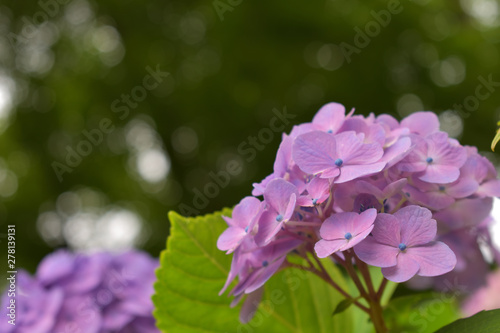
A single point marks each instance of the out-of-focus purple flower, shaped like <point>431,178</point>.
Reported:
<point>403,245</point>
<point>88,293</point>
<point>34,308</point>
<point>342,231</point>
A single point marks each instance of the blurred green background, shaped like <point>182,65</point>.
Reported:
<point>230,63</point>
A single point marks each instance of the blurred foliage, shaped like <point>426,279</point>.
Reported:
<point>226,77</point>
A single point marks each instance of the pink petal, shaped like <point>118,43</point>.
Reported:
<point>315,152</point>
<point>330,117</point>
<point>319,188</point>
<point>490,188</point>
<point>362,186</point>
<point>290,208</point>
<point>268,228</point>
<point>350,172</point>
<point>250,305</point>
<point>352,151</point>
<point>423,123</point>
<point>417,225</point>
<point>243,213</point>
<point>363,221</point>
<point>404,270</point>
<point>337,225</point>
<point>433,200</point>
<point>396,152</point>
<point>440,174</point>
<point>376,254</point>
<point>463,188</point>
<point>387,230</point>
<point>230,239</point>
<point>324,247</point>
<point>358,238</point>
<point>278,194</point>
<point>394,188</point>
<point>434,259</point>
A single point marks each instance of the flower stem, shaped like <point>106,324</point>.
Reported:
<point>326,277</point>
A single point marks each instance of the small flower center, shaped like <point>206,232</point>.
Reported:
<point>402,246</point>
<point>348,235</point>
<point>315,201</point>
<point>338,162</point>
<point>279,218</point>
<point>265,263</point>
<point>429,160</point>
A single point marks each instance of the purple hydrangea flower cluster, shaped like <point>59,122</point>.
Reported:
<point>402,196</point>
<point>75,293</point>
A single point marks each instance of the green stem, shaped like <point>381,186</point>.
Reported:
<point>350,269</point>
<point>326,277</point>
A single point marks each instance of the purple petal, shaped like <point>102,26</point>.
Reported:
<point>245,211</point>
<point>490,188</point>
<point>443,152</point>
<point>330,117</point>
<point>423,123</point>
<point>315,152</point>
<point>352,151</point>
<point>250,305</point>
<point>396,152</point>
<point>463,188</point>
<point>278,194</point>
<point>417,225</point>
<point>259,188</point>
<point>319,189</point>
<point>350,172</point>
<point>404,270</point>
<point>387,230</point>
<point>376,254</point>
<point>290,208</point>
<point>230,239</point>
<point>324,248</point>
<point>434,199</point>
<point>434,259</point>
<point>268,228</point>
<point>338,225</point>
<point>440,174</point>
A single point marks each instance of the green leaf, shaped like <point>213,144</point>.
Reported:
<point>344,305</point>
<point>192,272</point>
<point>482,322</point>
<point>423,312</point>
